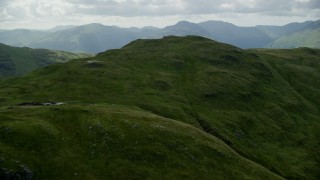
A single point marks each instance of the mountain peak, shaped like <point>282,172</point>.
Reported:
<point>93,25</point>
<point>184,23</point>
<point>217,23</point>
<point>61,27</point>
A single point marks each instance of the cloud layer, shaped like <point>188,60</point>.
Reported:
<point>18,11</point>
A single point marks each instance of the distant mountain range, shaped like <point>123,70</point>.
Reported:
<point>95,38</point>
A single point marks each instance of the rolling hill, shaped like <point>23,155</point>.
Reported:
<point>16,61</point>
<point>170,108</point>
<point>95,38</point>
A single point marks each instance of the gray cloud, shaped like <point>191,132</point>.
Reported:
<point>4,2</point>
<point>23,10</point>
<point>174,7</point>
<point>312,4</point>
<point>161,7</point>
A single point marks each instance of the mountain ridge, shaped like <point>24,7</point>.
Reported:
<point>101,37</point>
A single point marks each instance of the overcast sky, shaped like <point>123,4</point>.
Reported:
<point>42,14</point>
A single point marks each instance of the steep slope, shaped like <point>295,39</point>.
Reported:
<point>249,100</point>
<point>299,67</point>
<point>16,61</point>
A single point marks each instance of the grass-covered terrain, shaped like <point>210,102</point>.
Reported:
<point>112,141</point>
<point>16,61</point>
<point>173,108</point>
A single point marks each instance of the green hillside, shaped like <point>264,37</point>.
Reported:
<point>18,61</point>
<point>173,108</point>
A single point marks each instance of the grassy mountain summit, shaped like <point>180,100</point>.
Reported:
<point>177,107</point>
<point>16,61</point>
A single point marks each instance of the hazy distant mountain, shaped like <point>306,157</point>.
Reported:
<point>182,28</point>
<point>313,25</point>
<point>308,36</point>
<point>95,38</point>
<point>21,37</point>
<point>59,28</point>
<point>92,38</point>
<point>244,37</point>
<point>278,31</point>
